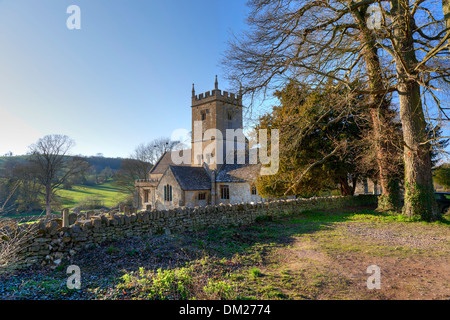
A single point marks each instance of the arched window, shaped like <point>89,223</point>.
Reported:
<point>254,190</point>
<point>167,192</point>
<point>224,192</point>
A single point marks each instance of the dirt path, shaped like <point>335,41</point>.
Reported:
<point>414,264</point>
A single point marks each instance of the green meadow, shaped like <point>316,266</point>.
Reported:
<point>107,193</point>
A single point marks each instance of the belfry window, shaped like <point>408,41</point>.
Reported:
<point>203,114</point>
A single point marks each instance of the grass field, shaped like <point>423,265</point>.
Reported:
<point>109,194</point>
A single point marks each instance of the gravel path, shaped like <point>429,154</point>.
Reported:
<point>398,235</point>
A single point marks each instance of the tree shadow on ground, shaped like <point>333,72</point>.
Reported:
<point>175,250</point>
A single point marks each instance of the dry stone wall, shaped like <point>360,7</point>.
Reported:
<point>54,241</point>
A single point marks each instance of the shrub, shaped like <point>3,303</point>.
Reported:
<point>171,284</point>
<point>255,273</point>
<point>111,250</point>
<point>219,290</point>
<point>127,200</point>
<point>13,237</point>
<point>90,203</point>
<point>132,252</point>
<point>162,285</point>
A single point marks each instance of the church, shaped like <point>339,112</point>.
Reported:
<point>206,176</point>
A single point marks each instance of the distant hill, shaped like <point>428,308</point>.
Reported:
<point>99,163</point>
<point>4,159</point>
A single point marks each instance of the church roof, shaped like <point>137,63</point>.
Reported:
<point>166,160</point>
<point>238,172</point>
<point>191,178</point>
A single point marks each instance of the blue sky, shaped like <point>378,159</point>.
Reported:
<point>125,78</point>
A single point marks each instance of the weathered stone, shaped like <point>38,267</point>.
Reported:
<point>75,229</point>
<point>41,240</point>
<point>43,252</point>
<point>84,223</point>
<point>79,238</point>
<point>104,220</point>
<point>65,217</point>
<point>34,248</point>
<point>52,227</point>
<point>96,223</point>
<point>72,218</point>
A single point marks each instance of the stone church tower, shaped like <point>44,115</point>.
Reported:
<point>215,173</point>
<point>212,114</point>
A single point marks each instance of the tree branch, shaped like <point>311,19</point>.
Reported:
<point>297,181</point>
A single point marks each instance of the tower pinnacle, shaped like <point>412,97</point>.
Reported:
<point>193,91</point>
<point>216,83</point>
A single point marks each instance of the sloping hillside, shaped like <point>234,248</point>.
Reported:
<point>98,163</point>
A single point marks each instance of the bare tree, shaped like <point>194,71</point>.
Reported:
<point>446,11</point>
<point>19,187</point>
<point>50,157</point>
<point>14,239</point>
<point>153,150</point>
<point>318,42</point>
<point>130,171</point>
<point>4,208</point>
<point>405,54</point>
<point>141,161</point>
<point>20,179</point>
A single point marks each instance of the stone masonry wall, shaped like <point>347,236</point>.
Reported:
<point>52,243</point>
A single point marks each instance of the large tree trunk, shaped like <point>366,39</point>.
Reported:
<point>344,186</point>
<point>390,198</point>
<point>380,118</point>
<point>419,197</point>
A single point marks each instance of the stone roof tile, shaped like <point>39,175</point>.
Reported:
<point>191,178</point>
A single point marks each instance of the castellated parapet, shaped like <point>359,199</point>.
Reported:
<point>209,96</point>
